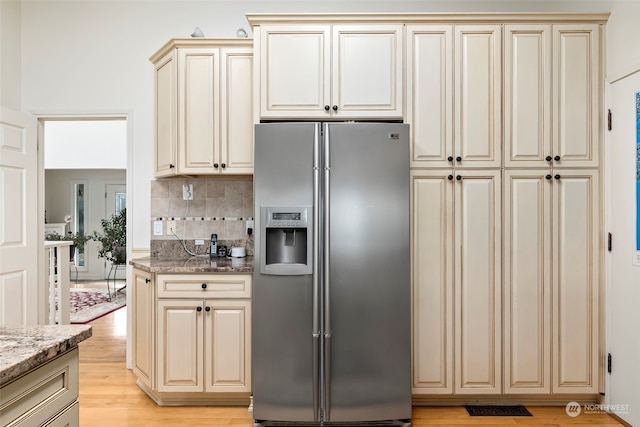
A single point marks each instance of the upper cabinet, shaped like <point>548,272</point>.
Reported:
<point>454,95</point>
<point>324,71</point>
<point>204,107</point>
<point>552,95</point>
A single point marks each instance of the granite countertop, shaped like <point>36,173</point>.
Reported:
<point>194,265</point>
<point>24,348</point>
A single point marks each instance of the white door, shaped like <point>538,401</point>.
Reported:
<point>19,244</point>
<point>116,200</point>
<point>623,264</point>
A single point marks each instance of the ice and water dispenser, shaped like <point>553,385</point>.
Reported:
<point>286,234</point>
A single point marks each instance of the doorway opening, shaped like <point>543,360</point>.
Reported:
<point>85,176</point>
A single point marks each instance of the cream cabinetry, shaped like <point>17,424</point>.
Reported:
<point>321,71</point>
<point>198,330</point>
<point>204,107</point>
<point>552,101</point>
<point>46,396</point>
<point>454,95</point>
<point>143,336</point>
<point>456,281</point>
<point>522,320</point>
<point>551,281</point>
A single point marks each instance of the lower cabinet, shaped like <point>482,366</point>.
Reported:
<point>46,396</point>
<point>202,345</point>
<point>192,337</point>
<point>519,321</point>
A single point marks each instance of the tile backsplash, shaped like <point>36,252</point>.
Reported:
<point>219,205</point>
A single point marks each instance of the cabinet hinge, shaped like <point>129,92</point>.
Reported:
<point>609,119</point>
<point>609,242</point>
<point>609,362</point>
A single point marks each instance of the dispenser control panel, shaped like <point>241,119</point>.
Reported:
<point>286,217</point>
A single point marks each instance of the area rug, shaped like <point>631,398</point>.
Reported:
<point>498,411</point>
<point>89,304</point>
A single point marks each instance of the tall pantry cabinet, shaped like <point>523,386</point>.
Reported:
<point>506,129</point>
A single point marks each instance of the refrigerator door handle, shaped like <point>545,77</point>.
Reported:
<point>316,274</point>
<point>326,279</point>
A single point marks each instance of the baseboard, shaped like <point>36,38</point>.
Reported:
<point>522,399</point>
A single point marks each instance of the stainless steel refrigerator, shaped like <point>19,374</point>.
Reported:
<point>331,331</point>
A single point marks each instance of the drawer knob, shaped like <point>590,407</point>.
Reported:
<point>204,286</point>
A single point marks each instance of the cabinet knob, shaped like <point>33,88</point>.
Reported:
<point>224,165</point>
<point>450,177</point>
<point>557,177</point>
<point>327,108</point>
<point>147,280</point>
<point>215,165</point>
<point>171,166</point>
<point>204,286</point>
<point>548,158</point>
<point>458,159</point>
<point>450,158</point>
<point>548,176</point>
<point>335,108</point>
<point>207,308</point>
<point>458,177</point>
<point>199,308</point>
<point>556,158</point>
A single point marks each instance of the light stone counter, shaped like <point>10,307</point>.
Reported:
<point>24,348</point>
<point>194,265</point>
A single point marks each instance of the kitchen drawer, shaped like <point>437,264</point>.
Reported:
<point>204,286</point>
<point>36,397</point>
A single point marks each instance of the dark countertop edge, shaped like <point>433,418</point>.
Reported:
<point>58,339</point>
<point>181,265</point>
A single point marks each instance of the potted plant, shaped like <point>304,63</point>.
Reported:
<point>113,238</point>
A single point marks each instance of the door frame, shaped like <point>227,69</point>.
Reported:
<point>124,114</point>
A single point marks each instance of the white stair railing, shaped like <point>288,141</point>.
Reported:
<point>57,274</point>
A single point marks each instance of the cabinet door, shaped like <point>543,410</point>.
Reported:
<point>228,346</point>
<point>180,346</point>
<point>576,257</point>
<point>295,68</point>
<point>576,124</point>
<point>527,287</point>
<point>367,71</point>
<point>198,115</point>
<point>477,282</point>
<point>478,95</point>
<point>527,95</point>
<point>236,137</point>
<point>432,260</point>
<point>165,116</point>
<point>430,94</point>
<point>142,314</point>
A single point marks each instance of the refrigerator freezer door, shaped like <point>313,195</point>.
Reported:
<point>369,273</point>
<point>282,342</point>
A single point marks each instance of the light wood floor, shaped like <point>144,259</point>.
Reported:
<point>110,397</point>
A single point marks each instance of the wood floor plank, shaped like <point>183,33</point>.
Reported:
<point>110,397</point>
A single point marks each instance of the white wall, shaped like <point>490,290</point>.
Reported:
<point>10,43</point>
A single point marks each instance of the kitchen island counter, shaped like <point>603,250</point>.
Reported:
<point>194,265</point>
<point>25,348</point>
